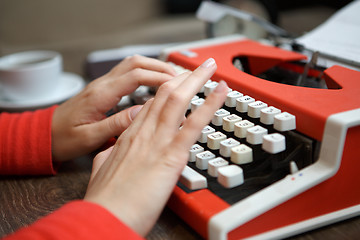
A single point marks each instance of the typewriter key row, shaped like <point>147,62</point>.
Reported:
<point>228,141</point>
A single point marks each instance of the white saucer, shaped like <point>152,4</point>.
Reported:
<point>69,85</point>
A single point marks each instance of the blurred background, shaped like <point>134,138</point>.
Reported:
<point>76,28</point>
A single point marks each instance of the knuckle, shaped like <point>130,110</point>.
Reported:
<point>166,87</point>
<point>118,124</point>
<point>87,135</point>
<point>188,122</point>
<point>176,98</point>
<point>136,73</point>
<point>121,139</point>
<point>88,144</point>
<point>99,156</point>
<point>129,138</point>
<point>92,92</point>
<point>112,123</point>
<point>97,83</point>
<point>194,123</point>
<point>173,161</point>
<point>133,60</point>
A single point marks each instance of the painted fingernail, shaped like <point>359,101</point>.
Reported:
<point>221,86</point>
<point>208,63</point>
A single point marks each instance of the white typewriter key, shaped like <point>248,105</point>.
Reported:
<point>267,115</point>
<point>231,98</point>
<point>177,68</point>
<point>293,167</point>
<point>141,95</point>
<point>195,149</point>
<point>243,102</point>
<point>255,107</point>
<point>203,158</point>
<point>196,103</point>
<point>230,176</point>
<point>255,134</point>
<point>214,139</point>
<point>284,122</point>
<point>238,64</point>
<point>209,87</point>
<point>229,122</point>
<point>218,116</point>
<point>205,132</point>
<point>192,179</point>
<point>214,164</point>
<point>274,143</point>
<point>125,102</point>
<point>240,128</point>
<point>241,154</point>
<point>193,99</point>
<point>226,145</point>
<point>203,87</point>
<point>188,53</point>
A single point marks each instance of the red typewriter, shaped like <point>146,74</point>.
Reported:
<point>310,182</point>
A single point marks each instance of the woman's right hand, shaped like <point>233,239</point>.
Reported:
<point>134,178</point>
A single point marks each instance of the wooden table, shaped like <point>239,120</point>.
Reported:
<point>27,198</point>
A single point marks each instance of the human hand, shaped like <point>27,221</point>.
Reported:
<point>79,125</point>
<point>134,178</point>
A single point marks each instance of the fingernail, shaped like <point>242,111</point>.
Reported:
<point>208,63</point>
<point>134,111</point>
<point>221,86</point>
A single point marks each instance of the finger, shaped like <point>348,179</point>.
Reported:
<point>131,80</point>
<point>117,123</point>
<point>151,119</point>
<point>145,123</point>
<point>117,87</point>
<point>98,161</point>
<point>155,65</point>
<point>138,61</point>
<point>177,102</point>
<point>112,126</point>
<point>125,139</point>
<point>193,125</point>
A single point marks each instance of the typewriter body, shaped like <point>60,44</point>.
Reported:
<point>324,188</point>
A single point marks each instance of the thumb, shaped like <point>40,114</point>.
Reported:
<point>117,123</point>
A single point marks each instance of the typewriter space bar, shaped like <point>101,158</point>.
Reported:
<point>192,179</point>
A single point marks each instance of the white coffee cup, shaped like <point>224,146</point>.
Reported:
<point>29,75</point>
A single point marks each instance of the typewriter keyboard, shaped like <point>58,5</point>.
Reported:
<point>247,146</point>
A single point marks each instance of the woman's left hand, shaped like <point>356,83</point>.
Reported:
<point>79,125</point>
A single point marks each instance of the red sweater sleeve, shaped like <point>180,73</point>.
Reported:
<point>77,220</point>
<point>25,148</point>
<point>25,143</point>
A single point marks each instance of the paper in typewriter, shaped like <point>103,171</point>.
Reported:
<point>339,36</point>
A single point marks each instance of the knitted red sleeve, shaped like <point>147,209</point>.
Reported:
<point>25,148</point>
<point>25,143</point>
<point>77,220</point>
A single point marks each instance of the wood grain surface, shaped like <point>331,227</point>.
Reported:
<point>26,199</point>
